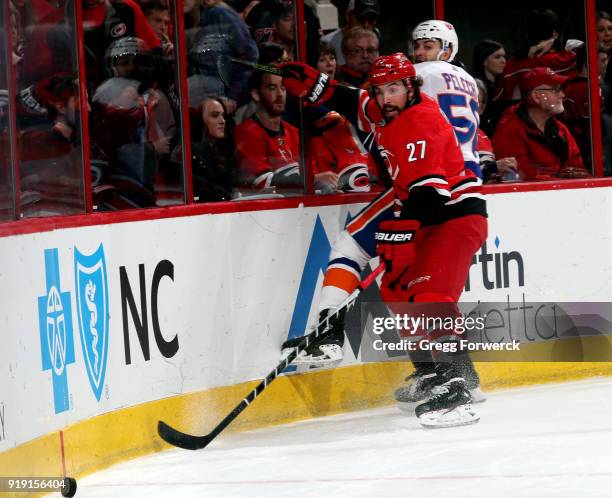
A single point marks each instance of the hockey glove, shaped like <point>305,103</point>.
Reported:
<point>395,246</point>
<point>326,351</point>
<point>301,80</point>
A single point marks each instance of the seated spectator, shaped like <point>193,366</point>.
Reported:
<point>133,126</point>
<point>213,160</point>
<point>273,21</point>
<point>493,170</point>
<point>270,53</point>
<point>50,156</point>
<point>284,27</point>
<point>360,50</point>
<point>117,134</point>
<point>158,15</point>
<point>326,60</point>
<point>106,21</point>
<point>338,160</point>
<point>542,48</point>
<point>359,13</point>
<point>222,32</point>
<point>530,131</point>
<point>268,147</point>
<point>488,66</point>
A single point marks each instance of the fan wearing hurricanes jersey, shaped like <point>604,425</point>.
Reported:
<point>442,213</point>
<point>434,45</point>
<point>268,147</point>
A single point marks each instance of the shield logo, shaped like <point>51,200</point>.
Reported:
<point>92,305</point>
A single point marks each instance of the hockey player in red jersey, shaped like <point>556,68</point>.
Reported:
<point>440,203</point>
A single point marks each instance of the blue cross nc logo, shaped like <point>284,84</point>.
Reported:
<point>55,326</point>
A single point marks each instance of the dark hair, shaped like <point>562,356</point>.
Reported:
<point>541,24</point>
<point>228,121</point>
<point>326,48</point>
<point>256,79</point>
<point>482,50</point>
<point>270,52</point>
<point>602,14</point>
<point>153,5</point>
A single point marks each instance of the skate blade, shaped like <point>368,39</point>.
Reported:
<point>461,415</point>
<point>305,364</point>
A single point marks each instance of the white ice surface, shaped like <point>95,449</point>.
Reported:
<point>552,440</point>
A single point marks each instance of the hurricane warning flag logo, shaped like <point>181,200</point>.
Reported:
<point>92,303</point>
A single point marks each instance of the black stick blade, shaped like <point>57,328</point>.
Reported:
<point>180,439</point>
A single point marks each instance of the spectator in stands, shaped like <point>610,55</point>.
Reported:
<point>50,159</point>
<point>273,21</point>
<point>326,60</point>
<point>133,122</point>
<point>604,30</point>
<point>105,21</point>
<point>488,66</point>
<point>360,49</point>
<point>359,13</point>
<point>542,48</point>
<point>213,155</point>
<point>268,147</point>
<point>158,15</point>
<point>284,27</point>
<point>337,158</point>
<point>270,53</point>
<point>222,32</point>
<point>117,134</point>
<point>530,131</point>
<point>493,170</point>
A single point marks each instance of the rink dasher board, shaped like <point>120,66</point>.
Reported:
<point>226,288</point>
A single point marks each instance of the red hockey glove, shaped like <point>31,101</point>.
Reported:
<point>395,246</point>
<point>301,80</point>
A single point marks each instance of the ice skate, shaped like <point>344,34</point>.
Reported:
<point>325,352</point>
<point>420,384</point>
<point>450,405</point>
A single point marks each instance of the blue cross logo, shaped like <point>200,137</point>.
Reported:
<point>55,326</point>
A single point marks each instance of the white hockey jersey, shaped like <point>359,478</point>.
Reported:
<point>457,94</point>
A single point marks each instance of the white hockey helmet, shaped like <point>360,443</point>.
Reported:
<point>438,30</point>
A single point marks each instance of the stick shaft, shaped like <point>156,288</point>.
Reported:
<point>191,442</point>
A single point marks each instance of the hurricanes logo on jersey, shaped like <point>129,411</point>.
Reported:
<point>393,170</point>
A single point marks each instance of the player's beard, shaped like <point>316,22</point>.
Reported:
<point>391,112</point>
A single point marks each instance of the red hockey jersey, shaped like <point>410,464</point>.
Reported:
<point>421,150</point>
<point>267,158</point>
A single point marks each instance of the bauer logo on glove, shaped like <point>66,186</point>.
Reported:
<point>319,88</point>
<point>394,237</point>
<point>301,80</point>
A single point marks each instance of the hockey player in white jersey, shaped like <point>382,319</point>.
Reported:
<point>434,45</point>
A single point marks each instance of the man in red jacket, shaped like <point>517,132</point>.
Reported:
<point>543,146</point>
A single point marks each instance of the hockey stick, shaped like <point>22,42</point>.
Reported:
<point>224,67</point>
<point>191,442</point>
